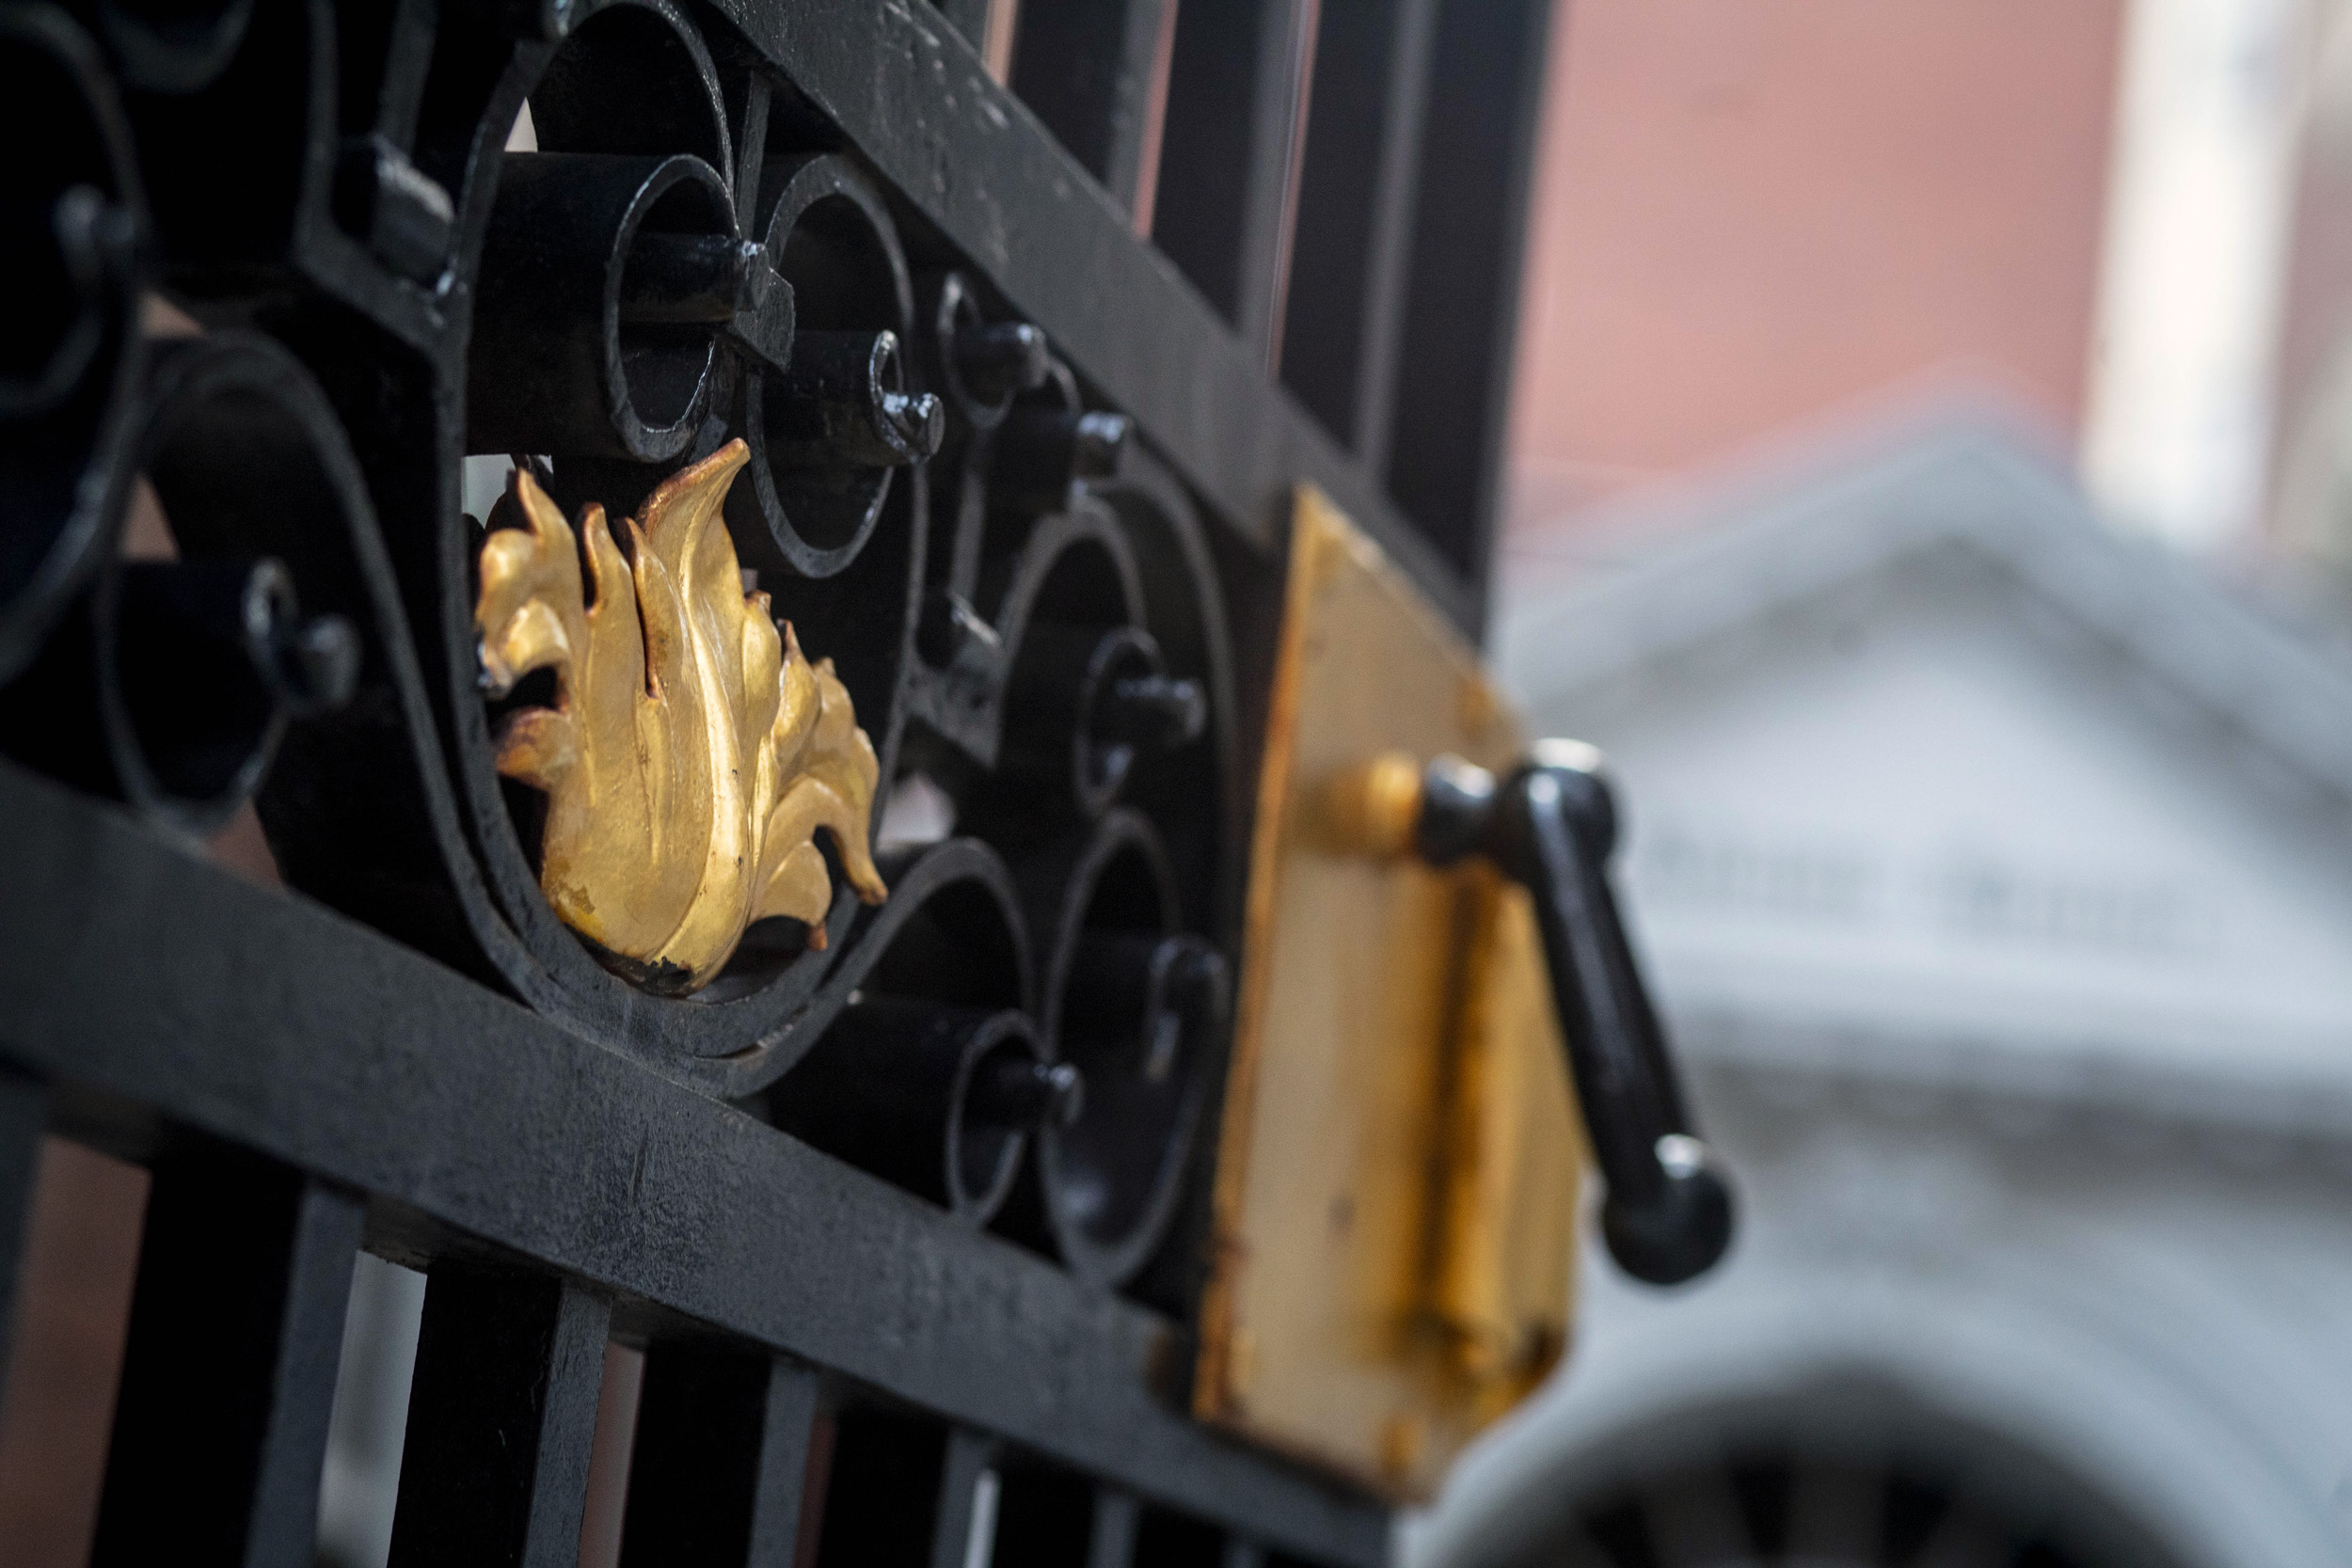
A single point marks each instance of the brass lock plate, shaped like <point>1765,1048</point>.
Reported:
<point>1398,1165</point>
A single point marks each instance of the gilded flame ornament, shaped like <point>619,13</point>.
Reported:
<point>691,753</point>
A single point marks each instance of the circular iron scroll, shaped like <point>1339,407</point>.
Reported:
<point>70,372</point>
<point>347,321</point>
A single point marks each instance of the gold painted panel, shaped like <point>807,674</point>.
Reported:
<point>1399,1160</point>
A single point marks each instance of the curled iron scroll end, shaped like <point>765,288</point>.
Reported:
<point>1685,1228</point>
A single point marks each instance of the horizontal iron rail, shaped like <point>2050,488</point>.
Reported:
<point>915,101</point>
<point>155,991</point>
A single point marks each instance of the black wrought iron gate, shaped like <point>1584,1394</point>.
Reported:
<point>1027,327</point>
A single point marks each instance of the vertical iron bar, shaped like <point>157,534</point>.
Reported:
<point>968,17</point>
<point>882,1494</point>
<point>1114,1542</point>
<point>750,149</point>
<point>1355,216</point>
<point>1236,105</point>
<point>24,1117</point>
<point>789,1426</point>
<point>988,26</point>
<point>228,1373</point>
<point>1461,294</point>
<point>1166,1539</point>
<point>500,1418</point>
<point>407,64</point>
<point>1379,369</point>
<point>1086,67</point>
<point>722,1453</point>
<point>1045,1515</point>
<point>969,1454</point>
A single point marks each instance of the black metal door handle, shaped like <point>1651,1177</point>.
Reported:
<point>1549,825</point>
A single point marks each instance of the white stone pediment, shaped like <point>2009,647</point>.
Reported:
<point>1933,777</point>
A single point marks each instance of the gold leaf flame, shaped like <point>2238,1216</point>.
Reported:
<point>691,753</point>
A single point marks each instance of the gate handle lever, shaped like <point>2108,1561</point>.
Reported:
<point>1549,825</point>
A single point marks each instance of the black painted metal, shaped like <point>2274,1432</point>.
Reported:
<point>1236,91</point>
<point>245,1267</point>
<point>722,1453</point>
<point>501,1416</point>
<point>170,684</point>
<point>484,1131</point>
<point>965,1468</point>
<point>24,1114</point>
<point>939,1101</point>
<point>1460,318</point>
<point>889,1501</point>
<point>1111,1535</point>
<point>70,371</point>
<point>1358,176</point>
<point>913,98</point>
<point>1085,69</point>
<point>1165,1539</point>
<point>970,17</point>
<point>1045,1515</point>
<point>561,362</point>
<point>1552,825</point>
<point>1010,470</point>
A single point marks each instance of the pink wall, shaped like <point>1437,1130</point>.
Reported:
<point>1754,214</point>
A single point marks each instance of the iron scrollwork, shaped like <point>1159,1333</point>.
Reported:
<point>589,767</point>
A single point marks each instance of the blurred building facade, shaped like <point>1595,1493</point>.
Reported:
<point>1752,218</point>
<point>1912,402</point>
<point>2132,219</point>
<point>2311,494</point>
<point>1995,872</point>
